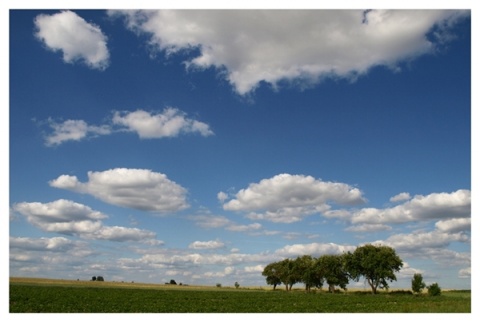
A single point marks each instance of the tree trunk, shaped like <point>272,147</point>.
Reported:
<point>331,288</point>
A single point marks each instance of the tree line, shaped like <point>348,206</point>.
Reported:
<point>377,264</point>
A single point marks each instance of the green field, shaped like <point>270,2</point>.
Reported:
<point>51,296</point>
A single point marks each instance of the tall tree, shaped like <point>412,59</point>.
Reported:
<point>288,273</point>
<point>272,274</point>
<point>334,271</point>
<point>307,272</point>
<point>377,264</point>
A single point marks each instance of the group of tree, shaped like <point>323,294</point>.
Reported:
<point>98,278</point>
<point>418,285</point>
<point>377,264</point>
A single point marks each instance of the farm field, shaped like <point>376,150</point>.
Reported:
<point>58,296</point>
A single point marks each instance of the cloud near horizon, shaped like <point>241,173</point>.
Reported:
<point>70,218</point>
<point>253,46</point>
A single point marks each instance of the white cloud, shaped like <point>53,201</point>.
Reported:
<point>212,221</point>
<point>55,244</point>
<point>222,196</point>
<point>117,233</point>
<point>465,273</point>
<point>313,249</point>
<point>368,228</point>
<point>62,216</point>
<point>250,46</point>
<point>419,208</point>
<point>400,197</point>
<point>71,218</point>
<point>238,227</point>
<point>289,198</point>
<point>73,130</point>
<point>132,188</point>
<point>419,241</point>
<point>76,38</point>
<point>170,123</point>
<point>454,225</point>
<point>211,244</point>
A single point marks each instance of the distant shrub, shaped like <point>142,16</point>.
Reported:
<point>219,285</point>
<point>237,285</point>
<point>417,283</point>
<point>172,282</point>
<point>94,278</point>
<point>434,290</point>
<point>100,279</point>
<point>400,292</point>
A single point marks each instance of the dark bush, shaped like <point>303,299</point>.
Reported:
<point>94,278</point>
<point>434,290</point>
<point>100,279</point>
<point>172,282</point>
<point>401,292</point>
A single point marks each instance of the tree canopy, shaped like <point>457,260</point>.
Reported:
<point>377,264</point>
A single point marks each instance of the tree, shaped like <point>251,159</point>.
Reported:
<point>417,283</point>
<point>289,274</point>
<point>237,285</point>
<point>334,271</point>
<point>100,279</point>
<point>434,289</point>
<point>377,264</point>
<point>307,272</point>
<point>272,274</point>
<point>94,278</point>
<point>172,282</point>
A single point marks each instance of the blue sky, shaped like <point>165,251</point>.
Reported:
<point>202,145</point>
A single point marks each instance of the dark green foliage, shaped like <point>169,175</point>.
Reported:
<point>417,283</point>
<point>434,289</point>
<point>237,285</point>
<point>104,299</point>
<point>94,278</point>
<point>333,271</point>
<point>172,282</point>
<point>100,279</point>
<point>272,274</point>
<point>377,264</point>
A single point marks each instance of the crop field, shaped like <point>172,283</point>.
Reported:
<point>52,296</point>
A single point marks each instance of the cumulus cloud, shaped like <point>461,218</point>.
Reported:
<point>77,39</point>
<point>251,46</point>
<point>211,244</point>
<point>400,197</point>
<point>61,216</point>
<point>420,208</point>
<point>222,196</point>
<point>314,249</point>
<point>71,218</point>
<point>424,240</point>
<point>140,189</point>
<point>54,244</point>
<point>289,198</point>
<point>73,130</point>
<point>454,225</point>
<point>170,123</point>
<point>368,228</point>
<point>465,273</point>
<point>212,221</point>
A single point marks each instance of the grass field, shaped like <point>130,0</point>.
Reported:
<point>59,296</point>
